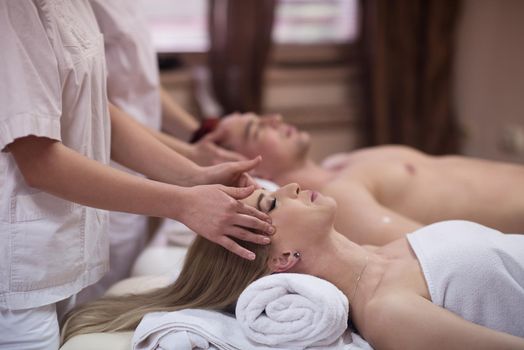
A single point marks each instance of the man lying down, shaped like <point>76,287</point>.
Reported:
<point>392,190</point>
<point>452,284</point>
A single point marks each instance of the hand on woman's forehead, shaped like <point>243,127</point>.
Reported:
<point>254,197</point>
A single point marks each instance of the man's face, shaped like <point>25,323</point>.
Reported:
<point>280,145</point>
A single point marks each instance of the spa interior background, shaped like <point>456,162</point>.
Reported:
<point>443,76</point>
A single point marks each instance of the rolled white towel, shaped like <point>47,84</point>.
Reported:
<point>293,311</point>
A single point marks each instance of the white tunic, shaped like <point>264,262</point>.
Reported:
<point>475,272</point>
<point>133,85</point>
<point>52,71</point>
<point>133,80</point>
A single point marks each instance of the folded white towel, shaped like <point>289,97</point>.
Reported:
<point>293,311</point>
<point>203,329</point>
<point>190,329</point>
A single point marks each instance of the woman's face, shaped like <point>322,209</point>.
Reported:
<point>280,145</point>
<point>300,217</point>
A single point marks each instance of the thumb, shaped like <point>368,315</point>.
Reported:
<point>238,192</point>
<point>228,156</point>
<point>246,166</point>
<point>246,180</point>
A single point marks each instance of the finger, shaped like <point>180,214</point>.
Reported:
<point>253,223</point>
<point>236,248</point>
<point>247,165</point>
<point>247,180</point>
<point>277,117</point>
<point>248,236</point>
<point>252,211</point>
<point>238,192</point>
<point>244,181</point>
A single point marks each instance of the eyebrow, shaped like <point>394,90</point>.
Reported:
<point>247,129</point>
<point>259,199</point>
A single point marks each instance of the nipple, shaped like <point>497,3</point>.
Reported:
<point>410,168</point>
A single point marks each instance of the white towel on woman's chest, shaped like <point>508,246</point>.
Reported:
<point>475,272</point>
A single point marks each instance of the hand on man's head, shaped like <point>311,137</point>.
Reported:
<point>231,173</point>
<point>207,152</point>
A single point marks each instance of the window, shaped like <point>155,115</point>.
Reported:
<point>181,25</point>
<point>178,25</point>
<point>315,21</point>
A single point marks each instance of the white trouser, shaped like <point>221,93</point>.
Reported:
<point>31,329</point>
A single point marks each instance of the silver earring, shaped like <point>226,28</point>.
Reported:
<point>296,255</point>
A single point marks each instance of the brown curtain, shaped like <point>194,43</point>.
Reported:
<point>408,52</point>
<point>240,35</point>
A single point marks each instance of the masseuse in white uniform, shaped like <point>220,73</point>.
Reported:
<point>56,135</point>
<point>133,86</point>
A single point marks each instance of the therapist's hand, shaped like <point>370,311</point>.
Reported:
<point>215,212</point>
<point>206,152</point>
<point>230,173</point>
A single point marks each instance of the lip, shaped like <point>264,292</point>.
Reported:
<point>314,196</point>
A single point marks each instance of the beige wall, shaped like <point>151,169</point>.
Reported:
<point>489,83</point>
<point>324,101</point>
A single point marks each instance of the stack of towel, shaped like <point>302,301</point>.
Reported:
<point>283,311</point>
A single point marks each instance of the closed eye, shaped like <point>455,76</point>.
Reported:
<point>256,131</point>
<point>273,204</point>
<point>252,129</point>
<point>265,205</point>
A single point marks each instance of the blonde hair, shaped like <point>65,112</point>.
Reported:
<point>211,278</point>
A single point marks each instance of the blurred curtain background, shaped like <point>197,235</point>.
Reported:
<point>240,42</point>
<point>407,50</point>
<point>355,72</point>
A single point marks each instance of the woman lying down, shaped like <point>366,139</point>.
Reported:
<point>450,285</point>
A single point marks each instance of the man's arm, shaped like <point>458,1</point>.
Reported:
<point>413,322</point>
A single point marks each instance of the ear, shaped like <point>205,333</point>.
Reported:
<point>283,262</point>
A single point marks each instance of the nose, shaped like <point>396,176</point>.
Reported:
<point>272,120</point>
<point>275,118</point>
<point>290,190</point>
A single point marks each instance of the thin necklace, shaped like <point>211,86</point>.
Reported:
<point>358,278</point>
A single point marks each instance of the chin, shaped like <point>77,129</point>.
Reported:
<point>305,137</point>
<point>326,212</point>
<point>326,205</point>
<point>303,144</point>
<point>326,201</point>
